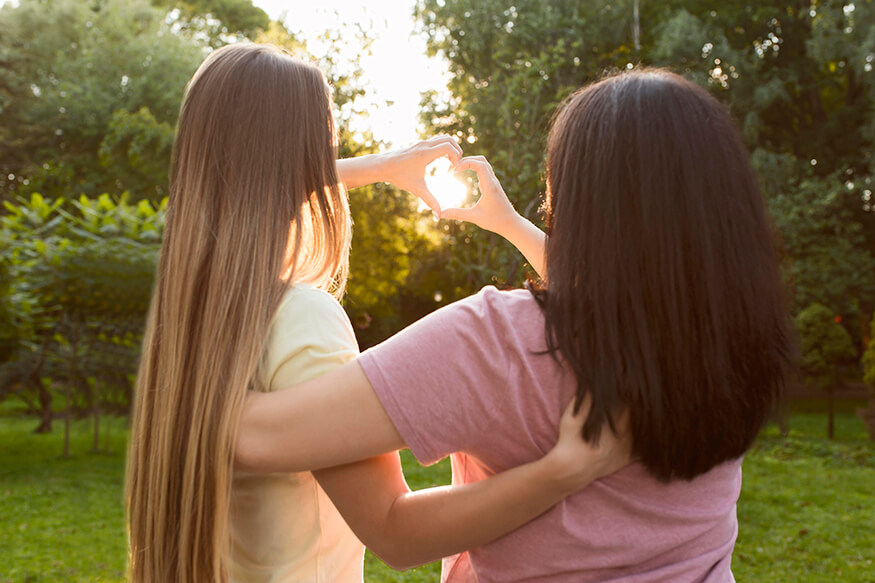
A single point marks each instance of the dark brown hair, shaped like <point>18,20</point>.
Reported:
<point>662,289</point>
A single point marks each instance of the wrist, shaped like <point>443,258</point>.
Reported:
<point>564,474</point>
<point>381,167</point>
<point>512,226</point>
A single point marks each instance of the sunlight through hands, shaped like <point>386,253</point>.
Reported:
<point>449,190</point>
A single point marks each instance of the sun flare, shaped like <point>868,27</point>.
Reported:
<point>446,188</point>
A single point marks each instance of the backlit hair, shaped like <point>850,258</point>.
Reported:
<point>255,206</point>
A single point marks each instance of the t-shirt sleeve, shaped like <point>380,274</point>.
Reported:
<point>310,336</point>
<point>439,378</point>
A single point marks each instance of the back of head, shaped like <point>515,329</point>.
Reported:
<point>254,205</point>
<point>663,292</point>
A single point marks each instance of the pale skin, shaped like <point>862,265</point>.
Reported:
<point>330,423</point>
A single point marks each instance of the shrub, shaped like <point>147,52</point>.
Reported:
<point>80,275</point>
<point>825,346</point>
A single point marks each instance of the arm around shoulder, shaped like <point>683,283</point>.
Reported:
<point>406,529</point>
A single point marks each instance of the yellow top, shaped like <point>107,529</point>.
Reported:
<point>284,527</point>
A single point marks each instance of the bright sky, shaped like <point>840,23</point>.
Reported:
<point>397,71</point>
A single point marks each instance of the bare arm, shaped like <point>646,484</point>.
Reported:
<point>328,421</point>
<point>494,212</point>
<point>337,418</point>
<point>405,168</point>
<point>406,528</point>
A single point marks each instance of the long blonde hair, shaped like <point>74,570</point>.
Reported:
<point>255,205</point>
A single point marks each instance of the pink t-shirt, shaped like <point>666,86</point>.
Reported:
<point>468,378</point>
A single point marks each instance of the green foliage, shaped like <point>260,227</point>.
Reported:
<point>868,360</point>
<point>136,150</point>
<point>80,279</point>
<point>824,345</point>
<point>78,79</point>
<point>221,21</point>
<point>9,322</point>
<point>825,248</point>
<point>797,76</point>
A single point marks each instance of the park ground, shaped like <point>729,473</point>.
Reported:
<point>805,513</point>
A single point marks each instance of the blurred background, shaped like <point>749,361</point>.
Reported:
<point>89,94</point>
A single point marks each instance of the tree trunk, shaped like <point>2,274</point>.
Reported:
<point>71,368</point>
<point>67,413</point>
<point>831,426</point>
<point>45,400</point>
<point>96,411</point>
<point>45,395</point>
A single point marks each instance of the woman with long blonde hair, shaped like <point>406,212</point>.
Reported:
<point>257,233</point>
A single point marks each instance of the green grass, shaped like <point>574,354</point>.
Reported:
<point>805,512</point>
<point>807,509</point>
<point>63,520</point>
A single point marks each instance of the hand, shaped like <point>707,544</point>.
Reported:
<point>577,463</point>
<point>493,210</point>
<point>405,168</point>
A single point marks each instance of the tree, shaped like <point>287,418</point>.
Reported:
<point>825,346</point>
<point>512,63</point>
<point>868,360</point>
<point>221,21</point>
<point>797,75</point>
<point>89,94</point>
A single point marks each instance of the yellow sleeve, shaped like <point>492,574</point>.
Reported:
<point>310,335</point>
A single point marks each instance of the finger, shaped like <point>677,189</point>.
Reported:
<point>441,138</point>
<point>577,417</point>
<point>574,421</point>
<point>429,199</point>
<point>445,139</point>
<point>585,404</point>
<point>449,149</point>
<point>476,163</point>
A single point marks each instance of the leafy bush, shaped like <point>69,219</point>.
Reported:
<point>825,347</point>
<point>80,279</point>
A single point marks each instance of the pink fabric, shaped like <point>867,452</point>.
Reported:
<point>467,379</point>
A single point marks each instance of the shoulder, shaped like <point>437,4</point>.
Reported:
<point>475,332</point>
<point>442,379</point>
<point>505,314</point>
<point>310,328</point>
<point>492,302</point>
<point>307,312</point>
<point>303,302</point>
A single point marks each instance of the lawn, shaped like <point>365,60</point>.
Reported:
<point>805,513</point>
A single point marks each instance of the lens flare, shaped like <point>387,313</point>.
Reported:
<point>446,188</point>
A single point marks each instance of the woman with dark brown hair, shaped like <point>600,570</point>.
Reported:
<point>661,299</point>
